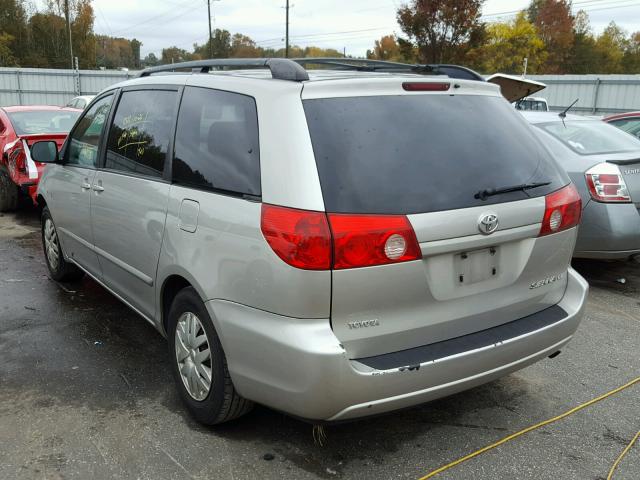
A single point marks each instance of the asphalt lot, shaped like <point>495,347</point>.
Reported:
<point>86,392</point>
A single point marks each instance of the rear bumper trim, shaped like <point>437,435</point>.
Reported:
<point>467,343</point>
<point>300,367</point>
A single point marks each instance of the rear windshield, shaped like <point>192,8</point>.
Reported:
<point>44,121</point>
<point>423,153</point>
<point>591,137</point>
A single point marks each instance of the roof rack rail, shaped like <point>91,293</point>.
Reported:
<point>281,68</point>
<point>294,69</point>
<point>367,65</point>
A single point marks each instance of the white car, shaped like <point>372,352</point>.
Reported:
<point>537,104</point>
<point>80,102</point>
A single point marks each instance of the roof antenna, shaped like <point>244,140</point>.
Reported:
<point>563,114</point>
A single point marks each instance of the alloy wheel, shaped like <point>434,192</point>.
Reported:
<point>51,244</point>
<point>193,355</point>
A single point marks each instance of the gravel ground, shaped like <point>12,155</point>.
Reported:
<point>86,392</point>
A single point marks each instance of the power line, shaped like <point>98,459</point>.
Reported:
<point>149,19</point>
<point>588,3</point>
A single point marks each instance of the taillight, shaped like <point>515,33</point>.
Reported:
<point>367,240</point>
<point>562,210</point>
<point>606,184</point>
<point>426,86</point>
<point>299,237</point>
<point>317,241</point>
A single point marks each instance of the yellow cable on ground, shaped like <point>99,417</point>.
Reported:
<point>529,429</point>
<point>621,456</point>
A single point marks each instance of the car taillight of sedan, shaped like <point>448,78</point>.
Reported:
<point>606,184</point>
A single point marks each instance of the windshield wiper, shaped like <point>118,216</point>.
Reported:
<point>490,192</point>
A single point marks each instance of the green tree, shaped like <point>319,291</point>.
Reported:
<point>135,51</point>
<point>112,52</point>
<point>175,55</point>
<point>318,52</point>
<point>610,47</point>
<point>48,41</point>
<point>555,24</point>
<point>220,46</point>
<point>583,57</point>
<point>508,44</point>
<point>244,47</point>
<point>386,48</point>
<point>441,30</point>
<point>6,55</point>
<point>150,60</point>
<point>13,24</point>
<point>84,40</point>
<point>631,57</point>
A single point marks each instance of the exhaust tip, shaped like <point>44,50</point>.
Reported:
<point>555,354</point>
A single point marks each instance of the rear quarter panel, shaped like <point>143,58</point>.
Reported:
<point>227,258</point>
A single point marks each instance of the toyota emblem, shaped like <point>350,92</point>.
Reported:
<point>488,223</point>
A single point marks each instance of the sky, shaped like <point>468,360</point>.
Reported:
<point>352,25</point>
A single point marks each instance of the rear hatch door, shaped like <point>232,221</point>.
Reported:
<point>515,88</point>
<point>426,156</point>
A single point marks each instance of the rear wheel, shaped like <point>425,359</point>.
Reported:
<point>59,269</point>
<point>8,191</point>
<point>198,362</point>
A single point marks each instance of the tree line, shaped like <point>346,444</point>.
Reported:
<point>547,34</point>
<point>32,38</point>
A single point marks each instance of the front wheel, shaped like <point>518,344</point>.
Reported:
<point>59,269</point>
<point>198,363</point>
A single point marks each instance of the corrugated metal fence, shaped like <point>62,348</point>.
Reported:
<point>597,94</point>
<point>44,86</point>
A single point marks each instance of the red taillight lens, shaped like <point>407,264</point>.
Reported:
<point>367,240</point>
<point>299,237</point>
<point>606,184</point>
<point>308,240</point>
<point>562,210</point>
<point>425,87</point>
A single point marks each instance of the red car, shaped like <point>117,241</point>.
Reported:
<point>20,127</point>
<point>628,121</point>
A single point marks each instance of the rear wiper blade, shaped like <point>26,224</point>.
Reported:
<point>489,192</point>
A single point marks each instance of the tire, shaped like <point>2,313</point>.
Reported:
<point>220,402</point>
<point>59,269</point>
<point>8,191</point>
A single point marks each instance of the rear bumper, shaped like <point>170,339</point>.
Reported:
<point>298,366</point>
<point>608,231</point>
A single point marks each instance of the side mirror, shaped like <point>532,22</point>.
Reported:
<point>44,152</point>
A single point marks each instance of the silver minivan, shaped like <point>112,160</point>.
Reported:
<point>333,244</point>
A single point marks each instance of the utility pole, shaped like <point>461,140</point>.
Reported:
<point>66,11</point>
<point>286,42</point>
<point>210,35</point>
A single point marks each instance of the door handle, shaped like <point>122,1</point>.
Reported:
<point>98,188</point>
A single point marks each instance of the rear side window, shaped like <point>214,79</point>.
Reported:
<point>424,153</point>
<point>217,142</point>
<point>141,130</point>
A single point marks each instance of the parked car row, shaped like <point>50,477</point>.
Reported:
<point>334,243</point>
